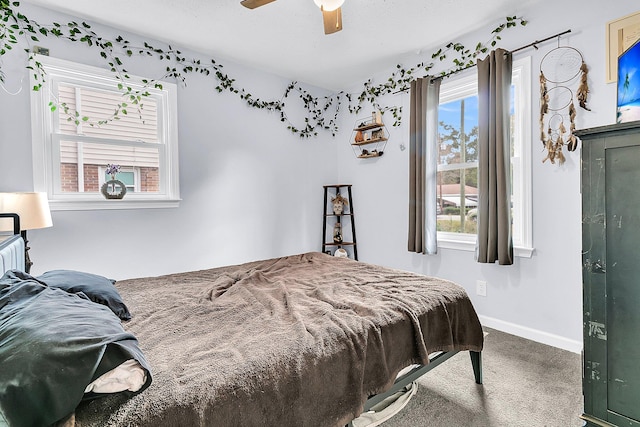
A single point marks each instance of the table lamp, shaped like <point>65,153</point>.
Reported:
<point>33,209</point>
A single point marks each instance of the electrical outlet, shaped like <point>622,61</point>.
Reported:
<point>481,288</point>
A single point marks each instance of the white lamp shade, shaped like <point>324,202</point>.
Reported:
<point>328,5</point>
<point>33,209</point>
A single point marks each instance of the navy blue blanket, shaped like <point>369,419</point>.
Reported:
<point>52,345</point>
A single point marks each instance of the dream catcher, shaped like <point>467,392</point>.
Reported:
<point>559,69</point>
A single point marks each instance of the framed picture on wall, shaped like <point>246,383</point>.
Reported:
<point>621,34</point>
<point>628,108</point>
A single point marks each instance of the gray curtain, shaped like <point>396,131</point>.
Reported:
<point>494,167</point>
<point>423,152</point>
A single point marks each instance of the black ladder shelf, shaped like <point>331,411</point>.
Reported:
<point>330,216</point>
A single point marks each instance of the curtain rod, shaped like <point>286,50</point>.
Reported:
<point>533,44</point>
<point>540,41</point>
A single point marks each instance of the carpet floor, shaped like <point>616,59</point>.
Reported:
<point>525,384</point>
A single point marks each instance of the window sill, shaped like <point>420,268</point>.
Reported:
<point>97,204</point>
<point>470,246</point>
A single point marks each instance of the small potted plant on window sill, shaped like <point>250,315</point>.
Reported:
<point>113,188</point>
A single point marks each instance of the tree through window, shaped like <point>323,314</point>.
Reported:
<point>457,179</point>
<point>457,169</point>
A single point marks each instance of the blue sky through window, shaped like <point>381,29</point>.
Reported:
<point>450,113</point>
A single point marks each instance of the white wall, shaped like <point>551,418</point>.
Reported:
<point>538,297</point>
<point>250,188</point>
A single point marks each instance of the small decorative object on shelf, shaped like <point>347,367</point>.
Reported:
<point>341,253</point>
<point>365,154</point>
<point>113,188</point>
<point>372,133</point>
<point>337,233</point>
<point>339,203</point>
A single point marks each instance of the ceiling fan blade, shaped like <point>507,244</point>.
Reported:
<point>252,4</point>
<point>332,20</point>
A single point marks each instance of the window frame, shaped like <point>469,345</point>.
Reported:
<point>46,155</point>
<point>521,160</point>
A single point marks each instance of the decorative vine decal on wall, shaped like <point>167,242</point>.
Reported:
<point>400,80</point>
<point>320,112</point>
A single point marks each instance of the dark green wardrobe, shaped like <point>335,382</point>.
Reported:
<point>611,274</point>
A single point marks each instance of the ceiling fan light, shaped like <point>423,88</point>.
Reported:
<point>328,5</point>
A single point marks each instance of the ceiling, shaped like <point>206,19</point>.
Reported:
<point>286,37</point>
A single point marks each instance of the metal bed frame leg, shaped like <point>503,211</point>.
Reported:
<point>476,363</point>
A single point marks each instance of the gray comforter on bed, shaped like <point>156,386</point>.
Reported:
<point>52,345</point>
<point>295,341</point>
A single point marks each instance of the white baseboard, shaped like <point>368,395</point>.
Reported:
<point>532,334</point>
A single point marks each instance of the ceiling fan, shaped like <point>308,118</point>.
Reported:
<point>331,12</point>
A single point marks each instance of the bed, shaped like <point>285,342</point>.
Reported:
<point>304,340</point>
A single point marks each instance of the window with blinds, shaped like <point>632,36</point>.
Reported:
<point>82,135</point>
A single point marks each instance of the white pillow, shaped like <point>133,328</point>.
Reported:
<point>128,376</point>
